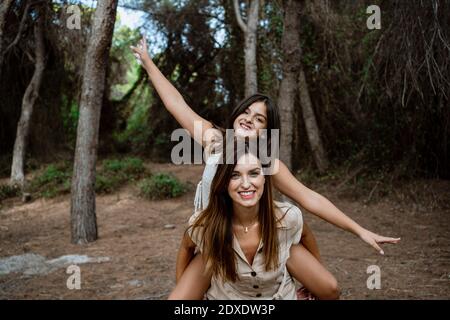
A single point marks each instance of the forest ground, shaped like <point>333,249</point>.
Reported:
<point>142,251</point>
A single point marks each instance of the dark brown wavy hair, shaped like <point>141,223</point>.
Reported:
<point>214,224</point>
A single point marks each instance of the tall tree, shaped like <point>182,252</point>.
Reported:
<point>250,34</point>
<point>290,43</point>
<point>28,102</point>
<point>312,129</point>
<point>4,8</point>
<point>294,79</point>
<point>83,215</point>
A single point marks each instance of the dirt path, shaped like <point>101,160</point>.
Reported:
<point>142,252</point>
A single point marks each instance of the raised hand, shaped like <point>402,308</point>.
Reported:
<point>141,52</point>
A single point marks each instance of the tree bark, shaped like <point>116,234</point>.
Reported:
<point>4,9</point>
<point>250,35</point>
<point>290,43</point>
<point>312,129</point>
<point>82,212</point>
<point>28,102</point>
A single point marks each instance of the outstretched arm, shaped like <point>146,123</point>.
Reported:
<point>320,206</point>
<point>172,99</point>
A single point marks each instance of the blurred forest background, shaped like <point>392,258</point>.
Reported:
<point>365,116</point>
<point>380,97</point>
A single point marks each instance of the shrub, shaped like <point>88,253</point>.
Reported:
<point>55,180</point>
<point>8,191</point>
<point>161,186</point>
<point>128,166</point>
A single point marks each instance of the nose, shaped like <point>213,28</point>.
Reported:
<point>245,183</point>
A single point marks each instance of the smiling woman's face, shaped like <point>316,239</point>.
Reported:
<point>246,185</point>
<point>254,118</point>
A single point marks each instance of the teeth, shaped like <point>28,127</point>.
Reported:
<point>246,193</point>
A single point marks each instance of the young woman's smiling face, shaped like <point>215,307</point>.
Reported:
<point>246,185</point>
<point>254,118</point>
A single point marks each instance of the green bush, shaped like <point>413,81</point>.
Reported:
<point>8,191</point>
<point>116,172</point>
<point>106,183</point>
<point>112,174</point>
<point>161,186</point>
<point>55,180</point>
<point>128,166</point>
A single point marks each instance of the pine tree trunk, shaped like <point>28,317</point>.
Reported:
<point>4,9</point>
<point>312,129</point>
<point>250,34</point>
<point>83,215</point>
<point>288,87</point>
<point>28,102</point>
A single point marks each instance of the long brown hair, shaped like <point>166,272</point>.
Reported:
<point>214,224</point>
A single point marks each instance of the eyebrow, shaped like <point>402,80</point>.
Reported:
<point>251,170</point>
<point>261,115</point>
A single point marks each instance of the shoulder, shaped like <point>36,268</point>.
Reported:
<point>289,215</point>
<point>196,233</point>
<point>194,217</point>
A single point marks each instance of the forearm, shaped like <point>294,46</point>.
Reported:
<point>185,256</point>
<point>312,201</point>
<point>325,209</point>
<point>170,96</point>
<point>309,242</point>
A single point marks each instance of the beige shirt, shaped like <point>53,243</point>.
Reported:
<point>254,281</point>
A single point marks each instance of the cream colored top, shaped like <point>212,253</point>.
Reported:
<point>254,281</point>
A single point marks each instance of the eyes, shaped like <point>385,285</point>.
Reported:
<point>253,174</point>
<point>258,118</point>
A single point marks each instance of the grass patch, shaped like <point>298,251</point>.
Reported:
<point>53,181</point>
<point>161,186</point>
<point>56,179</point>
<point>8,191</point>
<point>114,173</point>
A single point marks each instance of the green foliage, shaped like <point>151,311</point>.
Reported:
<point>70,113</point>
<point>53,181</point>
<point>128,166</point>
<point>124,68</point>
<point>116,172</point>
<point>8,191</point>
<point>107,183</point>
<point>161,186</point>
<point>138,130</point>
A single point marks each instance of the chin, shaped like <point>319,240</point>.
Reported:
<point>246,204</point>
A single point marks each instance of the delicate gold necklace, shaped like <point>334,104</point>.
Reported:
<point>249,226</point>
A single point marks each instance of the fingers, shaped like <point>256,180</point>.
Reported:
<point>377,247</point>
<point>135,50</point>
<point>145,44</point>
<point>387,240</point>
